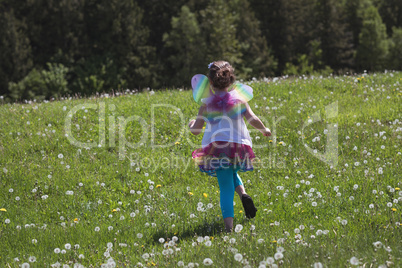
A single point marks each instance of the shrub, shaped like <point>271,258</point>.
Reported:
<point>41,85</point>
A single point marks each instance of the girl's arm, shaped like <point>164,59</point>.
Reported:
<point>196,125</point>
<point>254,121</point>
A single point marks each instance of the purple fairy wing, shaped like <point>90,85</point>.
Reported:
<point>201,87</point>
<point>244,92</point>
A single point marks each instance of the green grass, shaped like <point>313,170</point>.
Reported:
<point>162,186</point>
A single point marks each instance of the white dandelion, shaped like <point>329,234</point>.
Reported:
<point>270,260</point>
<point>238,257</point>
<point>278,256</point>
<point>238,228</point>
<point>318,265</point>
<point>145,256</point>
<point>354,261</point>
<point>377,244</point>
<point>207,262</point>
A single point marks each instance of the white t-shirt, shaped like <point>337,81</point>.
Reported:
<point>226,128</point>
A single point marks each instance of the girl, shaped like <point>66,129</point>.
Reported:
<point>226,144</point>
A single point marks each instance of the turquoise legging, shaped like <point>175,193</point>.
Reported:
<point>228,180</point>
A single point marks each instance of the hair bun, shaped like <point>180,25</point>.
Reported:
<point>221,74</point>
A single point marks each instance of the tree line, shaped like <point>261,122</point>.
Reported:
<point>54,48</point>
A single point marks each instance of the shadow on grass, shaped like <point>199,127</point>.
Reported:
<point>213,228</point>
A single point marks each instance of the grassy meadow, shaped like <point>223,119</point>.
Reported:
<point>108,181</point>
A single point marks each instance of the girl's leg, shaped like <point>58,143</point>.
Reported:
<point>247,201</point>
<point>238,184</point>
<point>226,187</point>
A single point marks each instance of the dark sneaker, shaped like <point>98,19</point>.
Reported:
<point>248,205</point>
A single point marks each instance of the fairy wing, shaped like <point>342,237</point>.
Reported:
<point>244,92</point>
<point>201,88</point>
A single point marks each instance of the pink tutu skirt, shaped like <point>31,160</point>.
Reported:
<point>222,154</point>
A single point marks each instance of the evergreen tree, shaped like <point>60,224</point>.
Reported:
<point>391,13</point>
<point>188,48</point>
<point>115,47</point>
<point>257,60</point>
<point>335,41</point>
<point>15,49</point>
<point>354,12</point>
<point>373,43</point>
<point>218,23</point>
<point>288,26</point>
<point>157,17</point>
<point>395,50</point>
<point>54,29</point>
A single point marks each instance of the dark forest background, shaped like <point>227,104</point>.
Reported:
<point>52,48</point>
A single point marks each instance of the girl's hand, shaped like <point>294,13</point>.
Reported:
<point>191,123</point>
<point>266,132</point>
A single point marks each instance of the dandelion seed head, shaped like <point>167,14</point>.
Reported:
<point>238,257</point>
<point>354,261</point>
<point>207,262</point>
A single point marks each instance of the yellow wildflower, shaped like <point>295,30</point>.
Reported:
<point>3,209</point>
<point>205,195</point>
<point>241,211</point>
<point>393,209</point>
<point>274,241</point>
<point>75,220</point>
<point>270,141</point>
<point>397,189</point>
<point>177,143</point>
<point>157,186</point>
<point>281,142</point>
<point>114,210</point>
<point>190,193</point>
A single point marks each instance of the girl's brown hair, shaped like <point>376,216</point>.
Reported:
<point>221,74</point>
